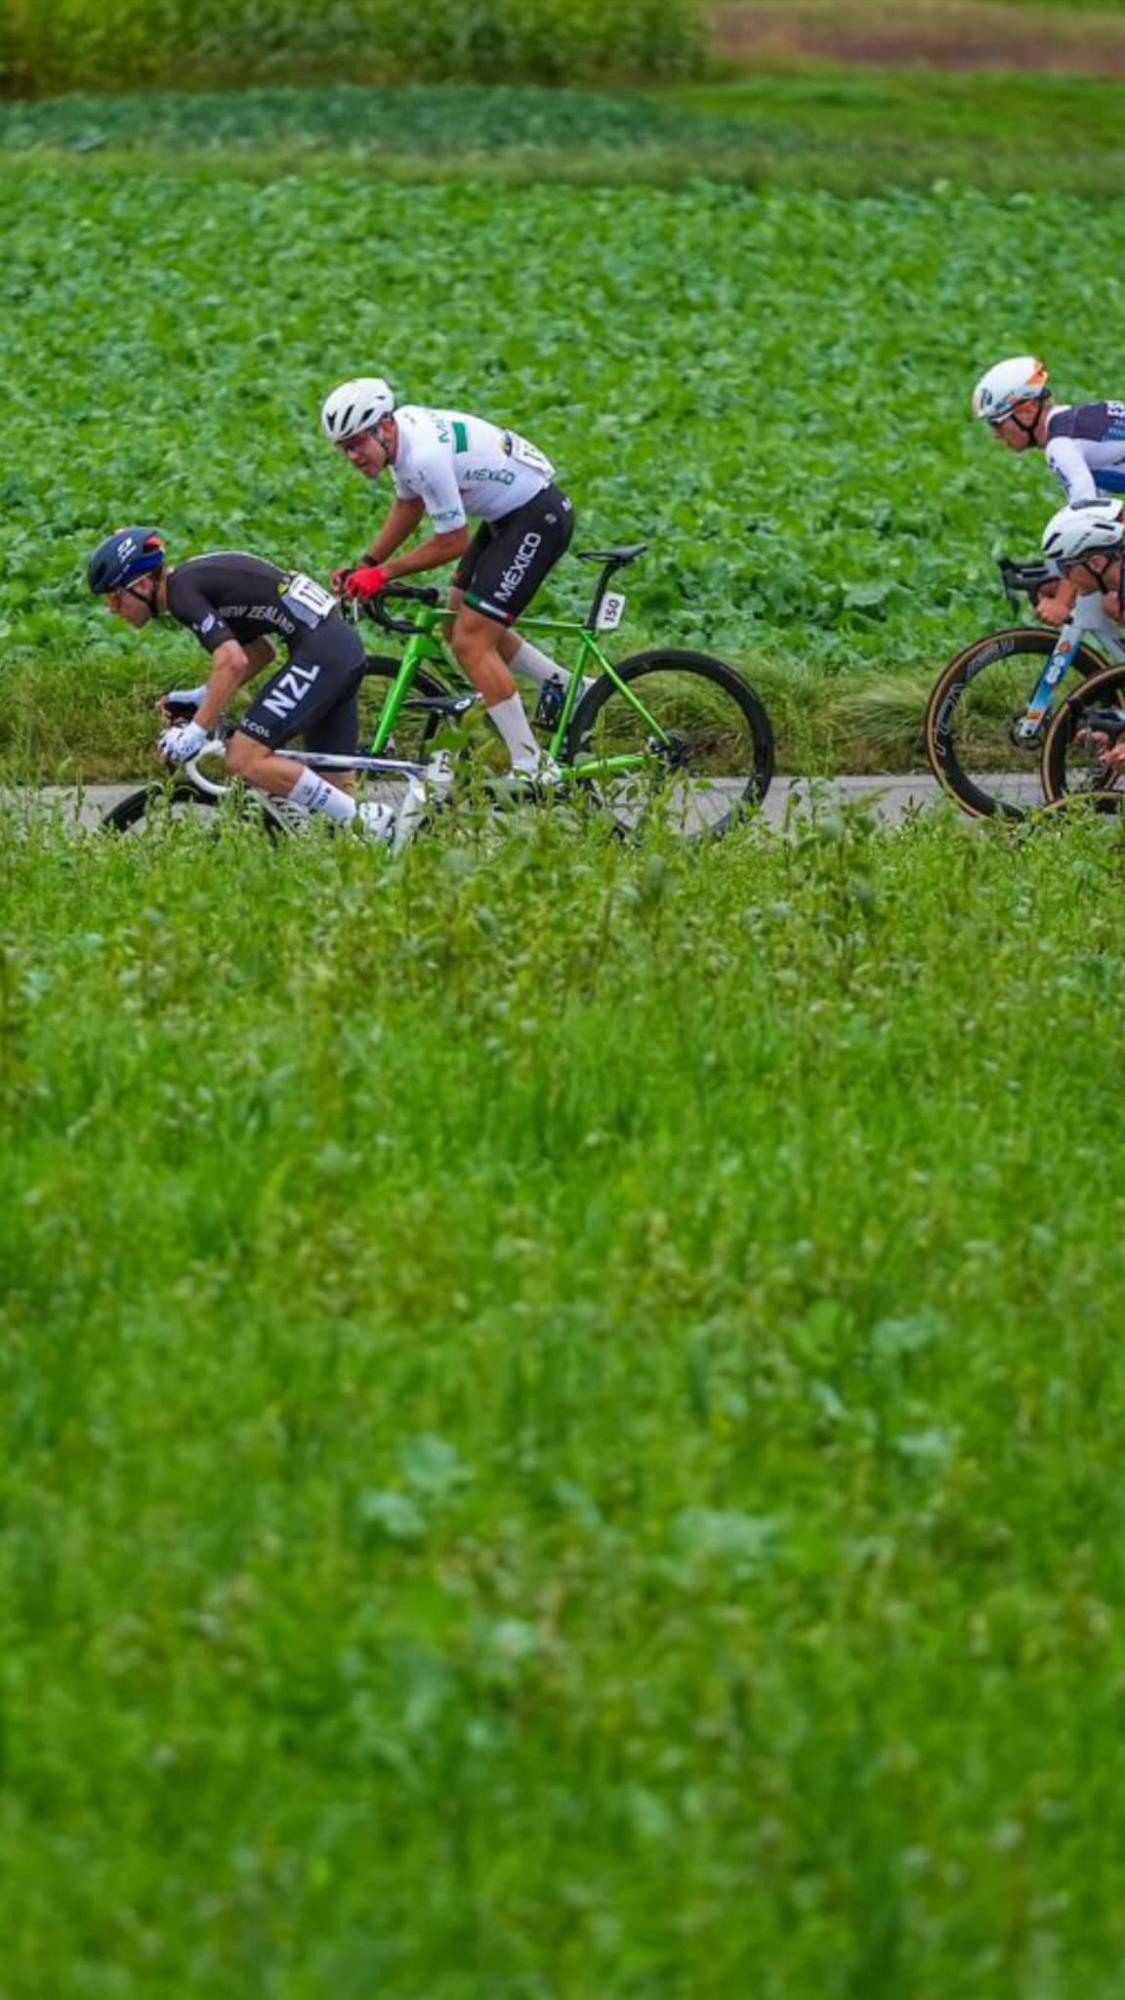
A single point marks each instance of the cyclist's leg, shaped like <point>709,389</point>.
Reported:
<point>506,642</point>
<point>314,695</point>
<point>504,578</point>
<point>520,655</point>
<point>336,734</point>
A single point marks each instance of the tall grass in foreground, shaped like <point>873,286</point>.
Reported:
<point>563,1417</point>
<point>57,45</point>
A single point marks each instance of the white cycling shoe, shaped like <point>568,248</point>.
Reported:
<point>376,821</point>
<point>423,796</point>
<point>545,777</point>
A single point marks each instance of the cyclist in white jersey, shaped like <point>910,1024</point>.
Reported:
<point>1084,445</point>
<point>452,467</point>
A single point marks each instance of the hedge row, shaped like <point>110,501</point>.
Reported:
<point>47,46</point>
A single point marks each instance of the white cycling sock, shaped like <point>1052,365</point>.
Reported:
<point>536,666</point>
<point>510,718</point>
<point>316,796</point>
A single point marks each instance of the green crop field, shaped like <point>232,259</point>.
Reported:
<point>562,1417</point>
<point>561,1403</point>
<point>769,383</point>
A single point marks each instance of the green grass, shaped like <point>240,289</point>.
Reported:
<point>770,385</point>
<point>562,1417</point>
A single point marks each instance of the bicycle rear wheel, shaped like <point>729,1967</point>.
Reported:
<point>970,718</point>
<point>1071,768</point>
<point>704,735</point>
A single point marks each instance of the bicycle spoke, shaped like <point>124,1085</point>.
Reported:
<point>681,741</point>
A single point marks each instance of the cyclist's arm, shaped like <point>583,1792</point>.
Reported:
<point>397,528</point>
<point>231,665</point>
<point>440,498</point>
<point>431,554</point>
<point>259,654</point>
<point>1067,461</point>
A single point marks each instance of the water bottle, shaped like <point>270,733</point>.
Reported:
<point>550,706</point>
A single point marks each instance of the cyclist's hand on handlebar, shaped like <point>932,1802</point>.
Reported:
<point>1054,603</point>
<point>366,583</point>
<point>182,742</point>
<point>340,578</point>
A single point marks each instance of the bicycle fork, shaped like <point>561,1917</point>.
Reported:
<point>1028,727</point>
<point>1089,620</point>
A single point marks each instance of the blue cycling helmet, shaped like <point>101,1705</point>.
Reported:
<point>124,556</point>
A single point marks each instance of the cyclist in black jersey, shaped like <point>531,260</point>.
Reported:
<point>240,609</point>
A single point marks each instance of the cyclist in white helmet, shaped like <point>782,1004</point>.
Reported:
<point>1088,543</point>
<point>1084,443</point>
<point>452,468</point>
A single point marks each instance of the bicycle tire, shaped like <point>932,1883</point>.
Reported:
<point>159,797</point>
<point>945,759</point>
<point>1104,689</point>
<point>698,746</point>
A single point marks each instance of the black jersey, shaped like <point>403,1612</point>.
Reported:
<point>233,596</point>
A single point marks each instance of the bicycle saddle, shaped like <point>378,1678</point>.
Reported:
<point>622,556</point>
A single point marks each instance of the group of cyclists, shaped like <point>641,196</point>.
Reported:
<point>447,467</point>
<point>450,470</point>
<point>1084,445</point>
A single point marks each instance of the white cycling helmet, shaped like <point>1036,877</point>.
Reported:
<point>997,394</point>
<point>355,407</point>
<point>1075,532</point>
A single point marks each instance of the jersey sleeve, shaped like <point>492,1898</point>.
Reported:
<point>430,475</point>
<point>190,607</point>
<point>1067,461</point>
<point>440,494</point>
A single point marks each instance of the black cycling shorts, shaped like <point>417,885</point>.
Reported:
<point>315,695</point>
<point>507,560</point>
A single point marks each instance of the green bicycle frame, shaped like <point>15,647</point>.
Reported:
<point>426,648</point>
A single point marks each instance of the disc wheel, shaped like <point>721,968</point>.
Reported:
<point>1072,769</point>
<point>971,715</point>
<point>705,736</point>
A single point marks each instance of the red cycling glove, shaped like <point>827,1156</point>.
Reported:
<point>366,583</point>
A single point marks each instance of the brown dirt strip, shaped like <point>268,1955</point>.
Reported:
<point>927,34</point>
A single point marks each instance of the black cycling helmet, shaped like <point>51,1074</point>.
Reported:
<point>124,556</point>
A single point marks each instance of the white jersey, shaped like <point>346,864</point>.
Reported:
<point>460,466</point>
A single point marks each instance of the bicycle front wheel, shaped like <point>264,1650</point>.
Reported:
<point>1072,769</point>
<point>154,808</point>
<point>682,740</point>
<point>972,715</point>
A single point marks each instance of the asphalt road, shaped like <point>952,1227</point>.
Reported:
<point>892,796</point>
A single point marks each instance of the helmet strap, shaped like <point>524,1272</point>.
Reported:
<point>151,600</point>
<point>1028,430</point>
